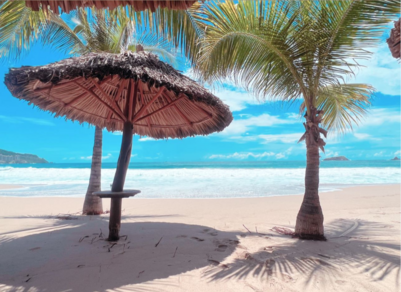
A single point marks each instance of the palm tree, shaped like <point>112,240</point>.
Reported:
<point>86,31</point>
<point>287,50</point>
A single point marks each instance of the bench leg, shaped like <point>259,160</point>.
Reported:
<point>115,219</point>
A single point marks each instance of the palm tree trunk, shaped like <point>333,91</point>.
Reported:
<point>309,223</point>
<point>93,204</point>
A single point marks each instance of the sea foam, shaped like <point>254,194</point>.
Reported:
<point>191,183</point>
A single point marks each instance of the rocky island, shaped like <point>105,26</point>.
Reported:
<point>8,157</point>
<point>337,158</point>
<point>395,158</point>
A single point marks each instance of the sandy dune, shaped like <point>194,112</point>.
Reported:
<point>203,245</point>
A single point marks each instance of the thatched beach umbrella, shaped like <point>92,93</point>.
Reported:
<point>129,92</point>
<point>138,5</point>
<point>394,40</point>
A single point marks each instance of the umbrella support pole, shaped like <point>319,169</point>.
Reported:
<point>119,180</point>
<point>115,219</point>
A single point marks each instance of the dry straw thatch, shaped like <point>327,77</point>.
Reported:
<point>107,90</point>
<point>394,40</point>
<point>138,5</point>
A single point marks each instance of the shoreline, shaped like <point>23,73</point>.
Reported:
<point>335,188</point>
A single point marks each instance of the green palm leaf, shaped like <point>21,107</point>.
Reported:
<point>62,37</point>
<point>20,27</point>
<point>344,105</point>
<point>348,29</point>
<point>237,30</point>
<point>183,28</point>
<point>86,30</point>
<point>295,49</point>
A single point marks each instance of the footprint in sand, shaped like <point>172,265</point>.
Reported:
<point>197,238</point>
<point>233,242</point>
<point>340,282</point>
<point>34,248</point>
<point>213,262</point>
<point>212,233</point>
<point>181,236</point>
<point>221,247</point>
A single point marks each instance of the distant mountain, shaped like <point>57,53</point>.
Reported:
<point>395,158</point>
<point>8,157</point>
<point>338,158</point>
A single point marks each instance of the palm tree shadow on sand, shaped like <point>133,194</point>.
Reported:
<point>352,244</point>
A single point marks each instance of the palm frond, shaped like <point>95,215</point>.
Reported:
<point>183,28</point>
<point>59,35</point>
<point>347,30</point>
<point>129,28</point>
<point>253,45</point>
<point>344,105</point>
<point>20,27</point>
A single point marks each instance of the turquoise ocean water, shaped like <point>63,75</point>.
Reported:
<point>197,179</point>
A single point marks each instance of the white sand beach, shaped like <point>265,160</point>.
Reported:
<point>203,245</point>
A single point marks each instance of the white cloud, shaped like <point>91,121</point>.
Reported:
<point>107,156</point>
<point>243,139</point>
<point>284,154</point>
<point>329,153</point>
<point>242,155</point>
<point>90,157</point>
<point>19,120</point>
<point>241,126</point>
<point>379,154</point>
<point>144,139</point>
<point>380,116</point>
<point>294,116</point>
<point>382,71</point>
<point>364,136</point>
<point>397,153</point>
<point>237,100</point>
<point>284,138</point>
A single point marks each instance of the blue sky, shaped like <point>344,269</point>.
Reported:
<point>260,130</point>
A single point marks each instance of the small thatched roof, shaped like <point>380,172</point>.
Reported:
<point>107,90</point>
<point>394,40</point>
<point>138,5</point>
